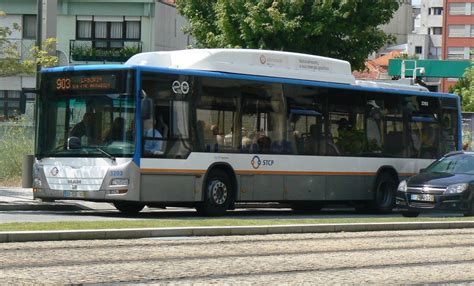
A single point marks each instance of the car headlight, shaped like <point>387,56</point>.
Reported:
<point>119,182</point>
<point>402,187</point>
<point>456,188</point>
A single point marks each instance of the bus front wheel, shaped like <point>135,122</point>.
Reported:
<point>129,208</point>
<point>218,194</point>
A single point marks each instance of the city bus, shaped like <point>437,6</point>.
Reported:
<point>209,128</point>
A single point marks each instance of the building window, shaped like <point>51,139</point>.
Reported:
<point>84,29</point>
<point>435,52</point>
<point>437,30</point>
<point>457,8</point>
<point>9,103</point>
<point>108,32</point>
<point>132,30</point>
<point>435,11</point>
<point>29,26</point>
<point>455,53</point>
<point>456,30</point>
<point>418,50</point>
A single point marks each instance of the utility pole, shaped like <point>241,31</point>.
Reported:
<point>39,34</point>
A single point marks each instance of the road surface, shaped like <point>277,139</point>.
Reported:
<point>396,257</point>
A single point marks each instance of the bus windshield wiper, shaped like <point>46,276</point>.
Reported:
<point>108,155</point>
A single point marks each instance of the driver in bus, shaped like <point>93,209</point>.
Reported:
<point>84,130</point>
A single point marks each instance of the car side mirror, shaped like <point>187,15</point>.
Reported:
<point>422,170</point>
<point>73,142</point>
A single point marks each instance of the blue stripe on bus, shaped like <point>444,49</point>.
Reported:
<point>459,126</point>
<point>138,147</point>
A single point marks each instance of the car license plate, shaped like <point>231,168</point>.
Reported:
<point>422,197</point>
<point>74,194</point>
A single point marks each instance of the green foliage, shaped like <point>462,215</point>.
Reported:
<point>404,56</point>
<point>10,59</point>
<point>346,30</point>
<point>464,87</point>
<point>234,221</point>
<point>87,53</point>
<point>16,139</point>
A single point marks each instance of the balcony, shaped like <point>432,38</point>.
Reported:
<point>103,50</point>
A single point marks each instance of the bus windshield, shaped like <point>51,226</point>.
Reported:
<point>86,115</point>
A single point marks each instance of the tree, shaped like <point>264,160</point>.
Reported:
<point>346,29</point>
<point>10,60</point>
<point>464,87</point>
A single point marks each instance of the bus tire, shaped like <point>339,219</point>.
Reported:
<point>410,214</point>
<point>385,192</point>
<point>218,194</point>
<point>129,208</point>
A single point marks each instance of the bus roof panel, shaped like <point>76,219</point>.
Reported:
<point>251,62</point>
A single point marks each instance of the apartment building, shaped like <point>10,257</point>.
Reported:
<point>88,32</point>
<point>426,39</point>
<point>458,36</point>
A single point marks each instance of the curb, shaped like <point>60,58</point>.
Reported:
<point>40,207</point>
<point>25,236</point>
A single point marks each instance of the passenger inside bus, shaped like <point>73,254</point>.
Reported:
<point>153,143</point>
<point>117,130</point>
<point>428,141</point>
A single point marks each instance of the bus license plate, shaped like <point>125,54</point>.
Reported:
<point>422,197</point>
<point>74,194</point>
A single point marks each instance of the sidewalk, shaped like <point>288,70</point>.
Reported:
<point>21,199</point>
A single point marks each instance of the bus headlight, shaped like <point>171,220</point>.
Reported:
<point>119,182</point>
<point>402,187</point>
<point>456,189</point>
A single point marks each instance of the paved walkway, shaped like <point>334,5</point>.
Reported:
<point>14,198</point>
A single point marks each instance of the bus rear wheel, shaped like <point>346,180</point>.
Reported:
<point>129,208</point>
<point>385,192</point>
<point>218,194</point>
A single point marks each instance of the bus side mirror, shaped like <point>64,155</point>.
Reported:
<point>145,108</point>
<point>73,142</point>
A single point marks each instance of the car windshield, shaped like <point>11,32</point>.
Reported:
<point>455,164</point>
<point>94,119</point>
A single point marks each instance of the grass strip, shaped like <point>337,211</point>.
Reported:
<point>161,223</point>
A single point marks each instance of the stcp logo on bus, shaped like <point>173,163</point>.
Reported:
<point>256,162</point>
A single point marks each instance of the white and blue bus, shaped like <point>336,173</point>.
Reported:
<point>208,128</point>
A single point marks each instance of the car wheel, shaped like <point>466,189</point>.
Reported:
<point>218,194</point>
<point>129,208</point>
<point>385,189</point>
<point>410,214</point>
<point>470,211</point>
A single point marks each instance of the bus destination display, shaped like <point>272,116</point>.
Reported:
<point>81,82</point>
